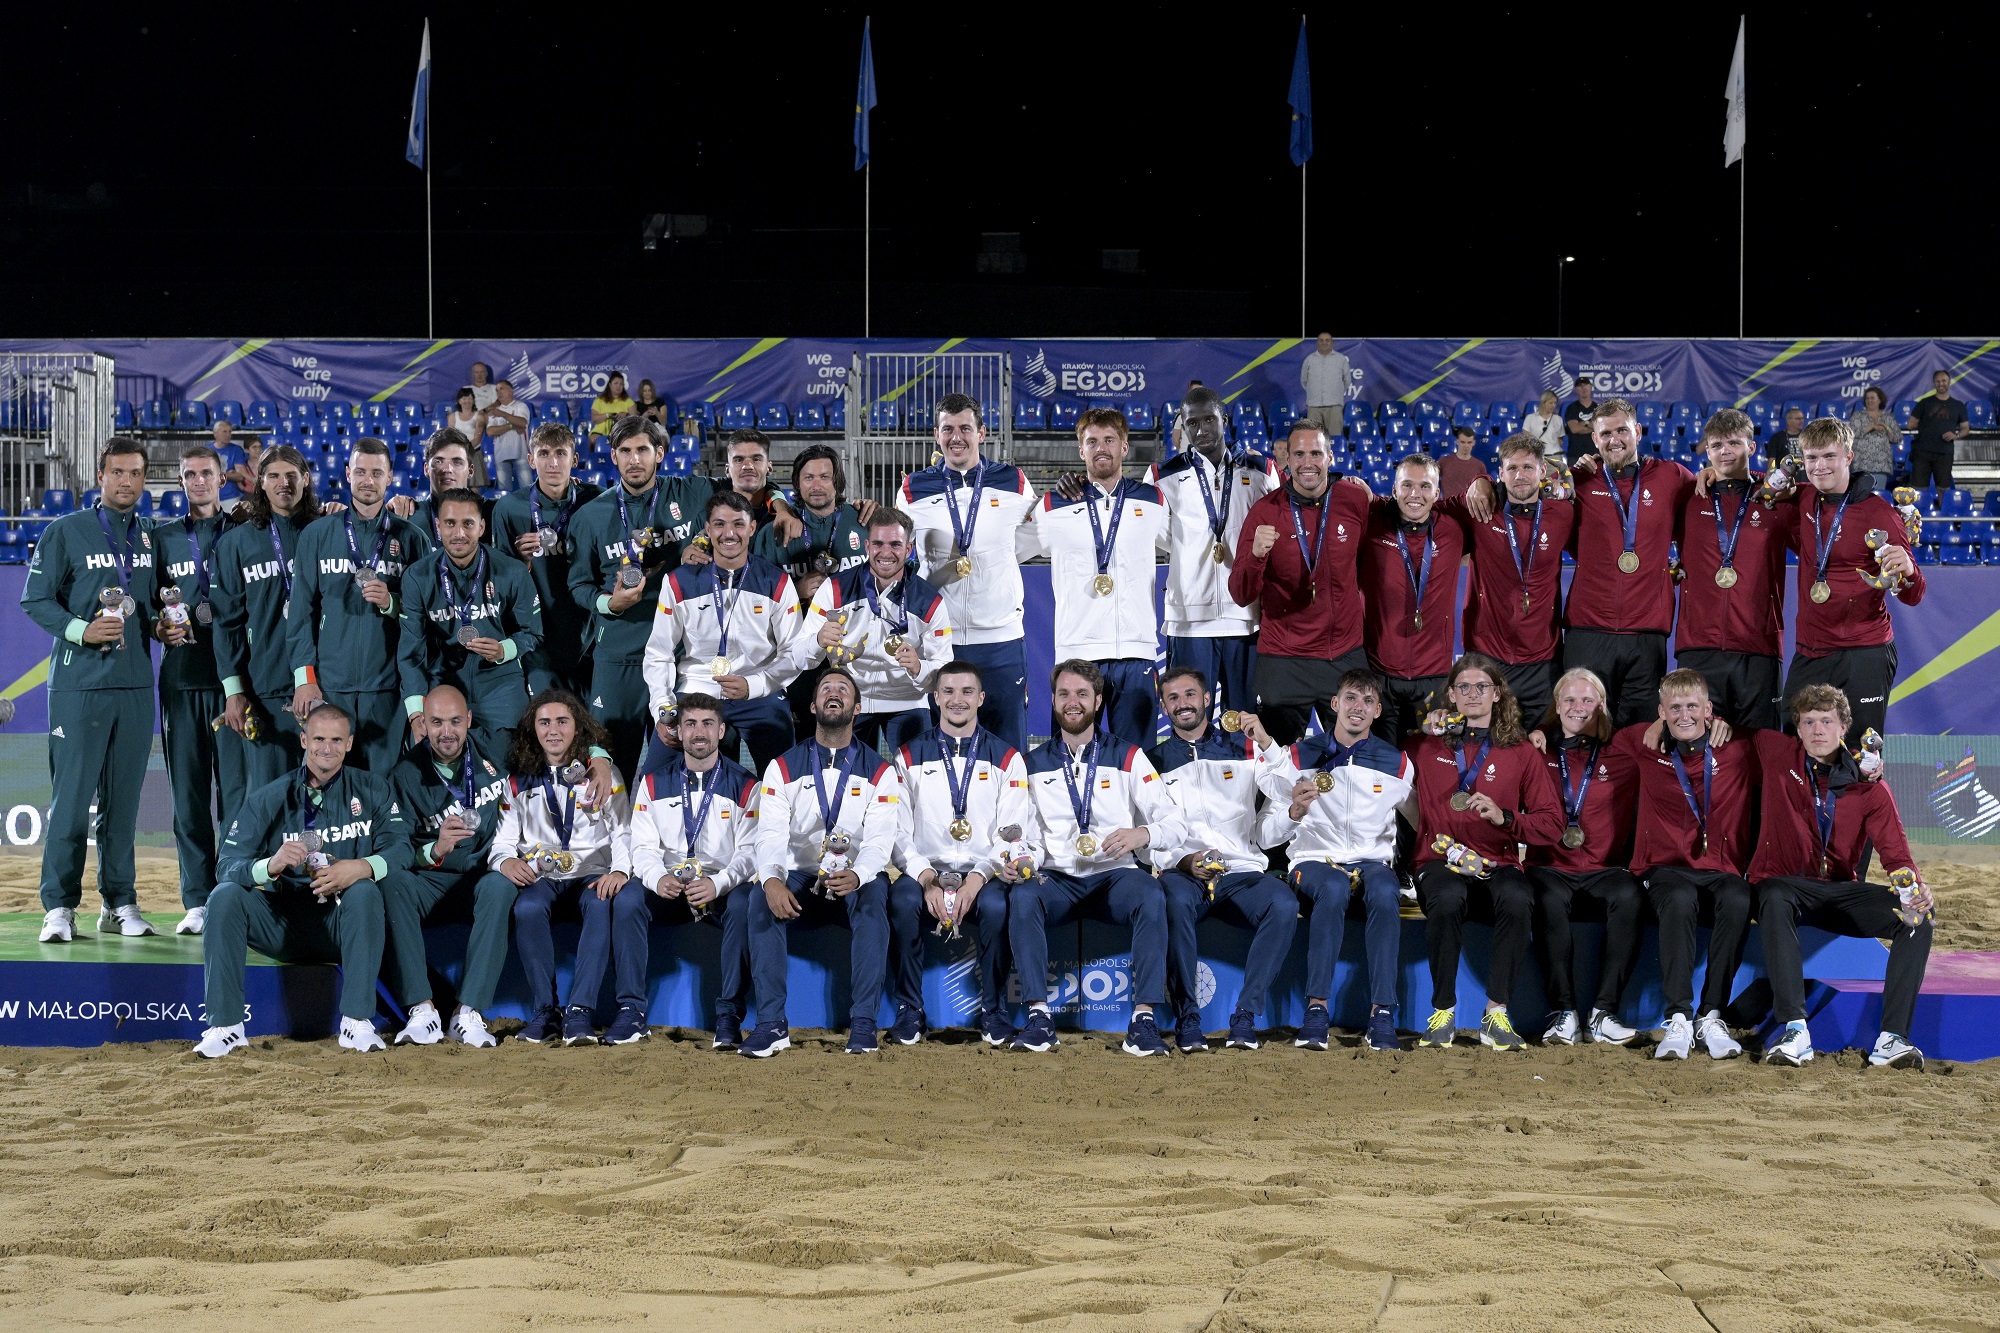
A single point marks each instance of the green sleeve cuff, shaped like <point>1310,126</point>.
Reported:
<point>261,870</point>
<point>300,676</point>
<point>388,610</point>
<point>379,866</point>
<point>414,704</point>
<point>426,853</point>
<point>74,631</point>
<point>509,650</point>
<point>232,685</point>
<point>603,604</point>
<point>599,752</point>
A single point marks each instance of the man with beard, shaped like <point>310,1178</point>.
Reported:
<point>1097,801</point>
<point>1513,608</point>
<point>448,466</point>
<point>833,541</point>
<point>826,827</point>
<point>534,523</point>
<point>1409,572</point>
<point>253,591</point>
<point>1208,490</point>
<point>343,624</point>
<point>749,459</point>
<point>450,792</point>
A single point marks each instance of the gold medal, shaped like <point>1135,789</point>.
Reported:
<point>1629,562</point>
<point>1221,552</point>
<point>1725,577</point>
<point>1232,720</point>
<point>961,830</point>
<point>718,667</point>
<point>892,644</point>
<point>963,565</point>
<point>1323,781</point>
<point>1461,800</point>
<point>1085,845</point>
<point>1102,585</point>
<point>1821,590</point>
<point>1573,836</point>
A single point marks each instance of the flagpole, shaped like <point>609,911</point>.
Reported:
<point>430,281</point>
<point>1302,251</point>
<point>867,249</point>
<point>1742,196</point>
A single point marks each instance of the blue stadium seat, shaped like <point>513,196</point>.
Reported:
<point>124,416</point>
<point>304,411</point>
<point>1360,430</point>
<point>1252,435</point>
<point>1139,416</point>
<point>1390,409</point>
<point>836,414</point>
<point>171,504</point>
<point>59,501</point>
<point>1399,429</point>
<point>1979,414</point>
<point>13,545</point>
<point>1905,407</point>
<point>553,409</point>
<point>153,414</point>
<point>773,416</point>
<point>262,415</point>
<point>1502,412</point>
<point>1381,481</point>
<point>344,412</point>
<point>1835,409</point>
<point>1028,414</point>
<point>810,416</point>
<point>738,415</point>
<point>700,410</point>
<point>1650,413</point>
<point>147,504</point>
<point>1358,410</point>
<point>1246,409</point>
<point>231,412</point>
<point>1063,415</point>
<point>1436,432</point>
<point>1686,411</point>
<point>192,416</point>
<point>1426,410</point>
<point>884,414</point>
<point>1954,503</point>
<point>89,499</point>
<point>34,521</point>
<point>372,412</point>
<point>1800,404</point>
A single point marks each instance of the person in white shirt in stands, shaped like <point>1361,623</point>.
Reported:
<point>1343,841</point>
<point>1213,776</point>
<point>964,787</point>
<point>1324,376</point>
<point>889,628</point>
<point>507,430</point>
<point>1545,423</point>
<point>1208,489</point>
<point>967,511</point>
<point>827,822</point>
<point>1097,801</point>
<point>1102,563</point>
<point>483,389</point>
<point>469,420</point>
<point>694,845</point>
<point>560,851</point>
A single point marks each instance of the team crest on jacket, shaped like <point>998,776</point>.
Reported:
<point>853,541</point>
<point>1492,770</point>
<point>490,594</point>
<point>491,772</point>
<point>354,805</point>
<point>1340,532</point>
<point>674,508</point>
<point>395,548</point>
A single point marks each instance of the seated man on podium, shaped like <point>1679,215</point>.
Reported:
<point>1822,810</point>
<point>304,868</point>
<point>1097,801</point>
<point>560,845</point>
<point>694,846</point>
<point>827,823</point>
<point>1213,776</point>
<point>450,793</point>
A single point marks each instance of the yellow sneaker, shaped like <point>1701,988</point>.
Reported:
<point>1442,1030</point>
<point>1497,1030</point>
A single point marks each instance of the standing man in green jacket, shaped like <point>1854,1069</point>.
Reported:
<point>346,589</point>
<point>471,618</point>
<point>624,543</point>
<point>534,523</point>
<point>91,588</point>
<point>450,791</point>
<point>253,651</point>
<point>204,768</point>
<point>304,870</point>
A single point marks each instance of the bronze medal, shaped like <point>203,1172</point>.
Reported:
<point>1417,622</point>
<point>1629,562</point>
<point>1461,800</point>
<point>1573,836</point>
<point>1102,585</point>
<point>1821,590</point>
<point>961,830</point>
<point>1725,577</point>
<point>1524,603</point>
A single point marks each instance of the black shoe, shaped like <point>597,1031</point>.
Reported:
<point>546,1023</point>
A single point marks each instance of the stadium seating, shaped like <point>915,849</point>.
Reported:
<point>123,415</point>
<point>884,414</point>
<point>836,414</point>
<point>171,504</point>
<point>304,411</point>
<point>88,500</point>
<point>1358,410</point>
<point>153,415</point>
<point>738,415</point>
<point>232,412</point>
<point>1686,411</point>
<point>809,416</point>
<point>1837,410</point>
<point>59,501</point>
<point>1028,414</point>
<point>191,416</point>
<point>1905,408</point>
<point>1139,416</point>
<point>1063,415</point>
<point>262,415</point>
<point>773,416</point>
<point>700,410</point>
<point>344,412</point>
<point>1979,414</point>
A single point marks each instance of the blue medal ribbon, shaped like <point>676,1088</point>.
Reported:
<point>1225,476</point>
<point>724,610</point>
<point>192,527</point>
<point>1574,809</point>
<point>692,820</point>
<point>1420,579</point>
<point>1310,555</point>
<point>829,811</point>
<point>284,561</point>
<point>564,819</point>
<point>563,510</point>
<point>374,560</point>
<point>1469,777</point>
<point>459,609</point>
<point>961,792</point>
<point>121,551</point>
<point>1628,510</point>
<point>1823,817</point>
<point>465,777</point>
<point>1080,804</point>
<point>1727,543</point>
<point>632,549</point>
<point>961,531</point>
<point>1524,563</point>
<point>1700,812</point>
<point>896,599</point>
<point>1824,538</point>
<point>1102,538</point>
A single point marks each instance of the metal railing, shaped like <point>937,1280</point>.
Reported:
<point>56,411</point>
<point>892,400</point>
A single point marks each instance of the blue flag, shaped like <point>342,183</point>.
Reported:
<point>420,104</point>
<point>864,99</point>
<point>1301,98</point>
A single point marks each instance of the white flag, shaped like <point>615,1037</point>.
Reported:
<point>1733,128</point>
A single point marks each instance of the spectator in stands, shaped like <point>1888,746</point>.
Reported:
<point>1576,418</point>
<point>507,429</point>
<point>1545,423</point>
<point>613,403</point>
<point>1876,436</point>
<point>466,417</point>
<point>1939,421</point>
<point>652,405</point>
<point>1459,469</point>
<point>1786,441</point>
<point>1324,377</point>
<point>236,464</point>
<point>484,391</point>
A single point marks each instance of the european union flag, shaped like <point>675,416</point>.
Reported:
<point>1301,98</point>
<point>864,99</point>
<point>420,104</point>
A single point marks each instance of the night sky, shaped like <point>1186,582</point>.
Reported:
<point>240,172</point>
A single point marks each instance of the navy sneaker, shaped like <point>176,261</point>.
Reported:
<point>908,1029</point>
<point>1242,1031</point>
<point>546,1022</point>
<point>728,1031</point>
<point>577,1029</point>
<point>1313,1032</point>
<point>994,1029</point>
<point>1142,1037</point>
<point>1188,1038</point>
<point>767,1039</point>
<point>629,1026</point>
<point>1382,1029</point>
<point>861,1036</point>
<point>1038,1034</point>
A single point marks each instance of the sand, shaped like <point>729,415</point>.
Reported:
<point>950,1186</point>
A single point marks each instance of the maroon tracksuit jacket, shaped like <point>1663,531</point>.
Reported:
<point>1664,827</point>
<point>1495,623</point>
<point>1606,816</point>
<point>1749,617</point>
<point>1322,621</point>
<point>1396,647</point>
<point>1512,775</point>
<point>1602,596</point>
<point>1856,615</point>
<point>1788,841</point>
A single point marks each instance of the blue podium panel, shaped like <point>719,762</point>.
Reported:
<point>88,1004</point>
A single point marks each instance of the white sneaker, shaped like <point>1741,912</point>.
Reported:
<point>425,1028</point>
<point>59,925</point>
<point>468,1026</point>
<point>1895,1052</point>
<point>1676,1039</point>
<point>1714,1034</point>
<point>1563,1031</point>
<point>127,921</point>
<point>193,922</point>
<point>218,1042</point>
<point>358,1034</point>
<point>1793,1047</point>
<point>1605,1027</point>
